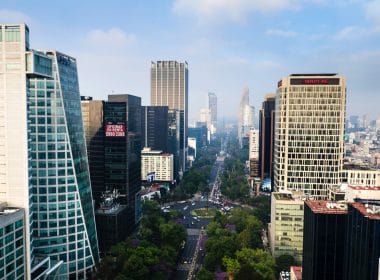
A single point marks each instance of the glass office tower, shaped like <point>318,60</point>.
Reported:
<point>43,160</point>
<point>65,226</point>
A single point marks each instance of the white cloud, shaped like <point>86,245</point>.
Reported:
<point>281,33</point>
<point>351,32</point>
<point>12,16</point>
<point>109,61</point>
<point>235,11</point>
<point>113,37</point>
<point>372,10</point>
<point>356,32</point>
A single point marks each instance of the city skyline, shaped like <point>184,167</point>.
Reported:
<point>242,43</point>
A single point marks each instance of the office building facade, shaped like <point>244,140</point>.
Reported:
<point>65,230</point>
<point>213,108</point>
<point>44,160</point>
<point>246,117</point>
<point>324,240</point>
<point>158,163</point>
<point>122,150</point>
<point>362,255</point>
<point>253,157</point>
<point>309,143</point>
<point>92,113</point>
<point>154,129</point>
<point>266,142</point>
<point>286,225</point>
<point>12,246</point>
<point>169,87</point>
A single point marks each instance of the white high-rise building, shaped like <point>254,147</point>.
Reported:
<point>158,163</point>
<point>246,116</point>
<point>309,144</point>
<point>213,107</point>
<point>254,144</point>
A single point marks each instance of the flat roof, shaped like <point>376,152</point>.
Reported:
<point>364,188</point>
<point>347,167</point>
<point>364,211</point>
<point>316,74</point>
<point>283,196</point>
<point>326,207</point>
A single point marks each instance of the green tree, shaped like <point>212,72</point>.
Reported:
<point>172,234</point>
<point>217,248</point>
<point>284,262</point>
<point>232,266</point>
<point>255,263</point>
<point>204,274</point>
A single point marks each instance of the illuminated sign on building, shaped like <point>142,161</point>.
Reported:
<point>315,81</point>
<point>115,130</point>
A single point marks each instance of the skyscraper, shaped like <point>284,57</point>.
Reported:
<point>246,117</point>
<point>154,131</point>
<point>253,156</point>
<point>213,107</point>
<point>44,159</point>
<point>122,150</point>
<point>325,224</point>
<point>267,136</point>
<point>309,144</point>
<point>92,112</point>
<point>169,87</point>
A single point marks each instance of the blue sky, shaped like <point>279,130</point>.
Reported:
<point>229,44</point>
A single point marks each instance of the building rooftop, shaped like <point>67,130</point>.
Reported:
<point>327,207</point>
<point>370,211</point>
<point>283,196</point>
<point>364,188</point>
<point>358,167</point>
<point>316,74</point>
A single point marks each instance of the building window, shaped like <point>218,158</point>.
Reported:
<point>12,34</point>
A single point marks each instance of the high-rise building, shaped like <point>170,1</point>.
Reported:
<point>286,225</point>
<point>169,87</point>
<point>254,166</point>
<point>362,254</point>
<point>154,131</point>
<point>323,240</point>
<point>246,117</point>
<point>43,158</point>
<point>92,113</point>
<point>309,144</point>
<point>205,117</point>
<point>213,107</point>
<point>200,134</point>
<point>65,229</point>
<point>157,163</point>
<point>267,136</point>
<point>122,148</point>
<point>341,241</point>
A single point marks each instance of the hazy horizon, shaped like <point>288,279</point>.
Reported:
<point>227,44</point>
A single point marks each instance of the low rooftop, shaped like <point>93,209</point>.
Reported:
<point>364,188</point>
<point>327,207</point>
<point>368,210</point>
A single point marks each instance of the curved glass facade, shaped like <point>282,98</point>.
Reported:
<point>64,226</point>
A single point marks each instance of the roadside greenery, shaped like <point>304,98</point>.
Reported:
<point>234,245</point>
<point>152,253</point>
<point>234,182</point>
<point>196,178</point>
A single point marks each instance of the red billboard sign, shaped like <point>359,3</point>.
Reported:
<point>318,81</point>
<point>115,130</point>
